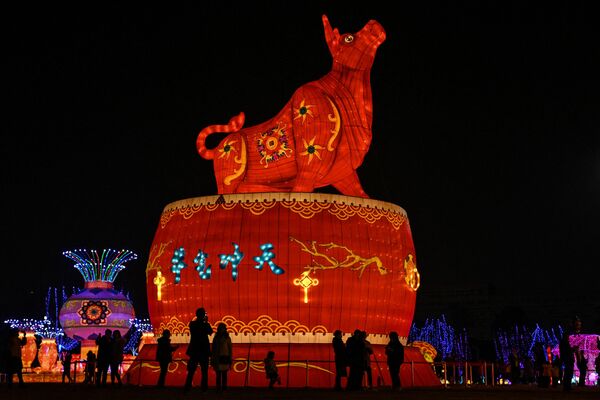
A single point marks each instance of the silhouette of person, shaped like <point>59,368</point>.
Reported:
<point>90,367</point>
<point>199,349</point>
<point>104,352</point>
<point>355,350</point>
<point>15,363</point>
<point>566,356</point>
<point>222,353</point>
<point>66,358</point>
<point>116,356</point>
<point>271,369</point>
<point>515,366</point>
<point>367,356</point>
<point>339,350</point>
<point>164,355</point>
<point>582,367</point>
<point>540,365</point>
<point>394,351</point>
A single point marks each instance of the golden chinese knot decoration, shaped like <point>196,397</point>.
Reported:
<point>305,282</point>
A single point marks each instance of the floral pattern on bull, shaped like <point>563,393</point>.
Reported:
<point>273,145</point>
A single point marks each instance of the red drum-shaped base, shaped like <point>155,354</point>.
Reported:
<point>283,268</point>
<point>299,365</point>
<point>283,263</point>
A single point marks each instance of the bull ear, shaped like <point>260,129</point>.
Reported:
<point>332,37</point>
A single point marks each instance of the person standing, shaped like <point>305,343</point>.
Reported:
<point>567,358</point>
<point>355,350</point>
<point>116,356</point>
<point>582,367</point>
<point>66,358</point>
<point>339,350</point>
<point>104,344</point>
<point>271,369</point>
<point>199,349</point>
<point>368,352</point>
<point>164,355</point>
<point>15,363</point>
<point>394,351</point>
<point>90,367</point>
<point>221,356</point>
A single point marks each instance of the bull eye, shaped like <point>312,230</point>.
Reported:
<point>349,39</point>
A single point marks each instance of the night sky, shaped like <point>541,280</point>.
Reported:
<point>486,130</point>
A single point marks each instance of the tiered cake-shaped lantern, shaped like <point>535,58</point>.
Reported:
<point>98,306</point>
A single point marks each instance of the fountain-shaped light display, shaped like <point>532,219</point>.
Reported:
<point>98,306</point>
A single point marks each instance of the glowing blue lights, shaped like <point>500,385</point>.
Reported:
<point>234,259</point>
<point>177,263</point>
<point>41,327</point>
<point>200,261</point>
<point>266,257</point>
<point>138,328</point>
<point>205,270</point>
<point>103,267</point>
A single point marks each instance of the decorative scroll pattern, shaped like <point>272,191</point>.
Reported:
<point>259,207</point>
<point>166,217</point>
<point>262,324</point>
<point>154,366</point>
<point>175,326</point>
<point>189,212</point>
<point>412,276</point>
<point>242,159</point>
<point>266,324</point>
<point>306,209</point>
<point>241,365</point>
<point>335,118</point>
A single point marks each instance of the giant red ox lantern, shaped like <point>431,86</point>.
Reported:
<point>319,138</point>
<point>282,267</point>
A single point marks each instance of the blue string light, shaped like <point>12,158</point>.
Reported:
<point>100,267</point>
<point>266,257</point>
<point>177,263</point>
<point>200,261</point>
<point>234,259</point>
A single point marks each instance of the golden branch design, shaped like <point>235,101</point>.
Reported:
<point>153,258</point>
<point>352,261</point>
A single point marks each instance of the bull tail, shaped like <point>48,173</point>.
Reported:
<point>234,125</point>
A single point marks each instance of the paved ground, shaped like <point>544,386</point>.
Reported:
<point>50,391</point>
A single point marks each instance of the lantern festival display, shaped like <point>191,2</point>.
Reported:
<point>281,266</point>
<point>98,306</point>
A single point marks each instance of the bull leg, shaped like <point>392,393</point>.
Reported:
<point>350,186</point>
<point>304,184</point>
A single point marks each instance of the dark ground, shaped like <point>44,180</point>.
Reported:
<point>44,391</point>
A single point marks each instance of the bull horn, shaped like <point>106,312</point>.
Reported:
<point>332,36</point>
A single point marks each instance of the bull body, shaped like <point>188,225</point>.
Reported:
<point>319,138</point>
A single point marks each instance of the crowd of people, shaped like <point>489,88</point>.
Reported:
<point>352,359</point>
<point>356,354</point>
<point>547,369</point>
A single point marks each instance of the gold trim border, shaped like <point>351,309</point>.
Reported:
<point>304,204</point>
<point>265,329</point>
